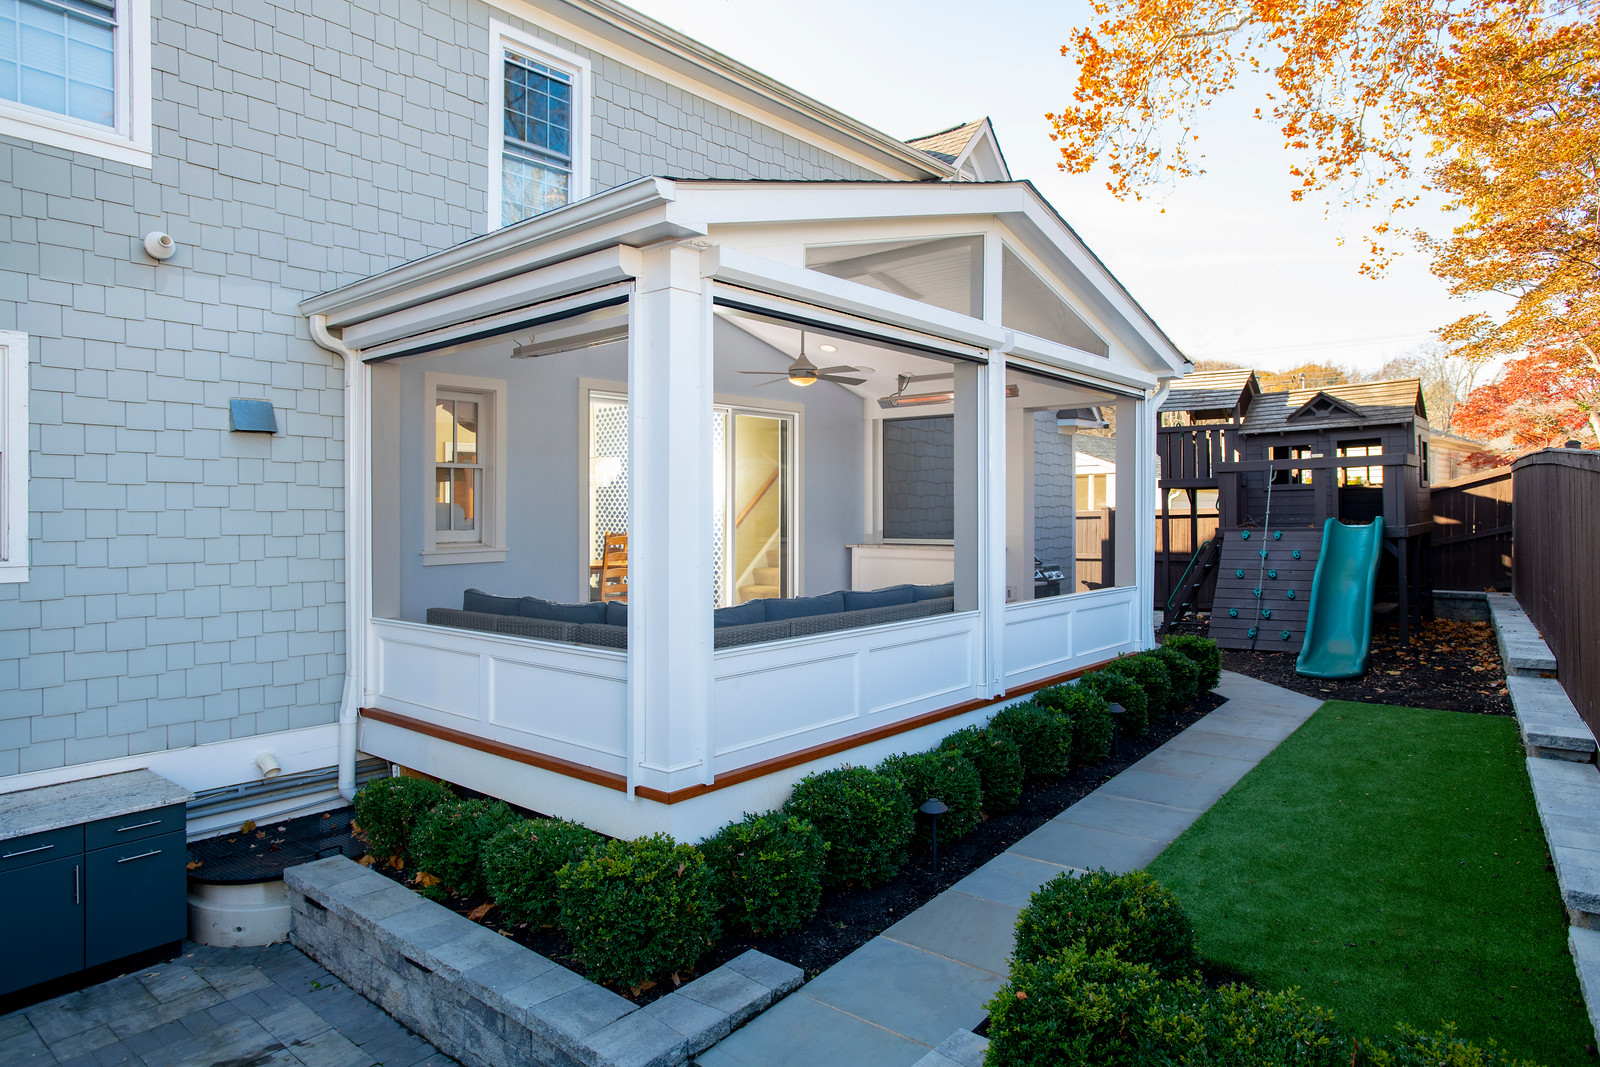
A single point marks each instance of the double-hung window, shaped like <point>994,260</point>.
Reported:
<point>465,520</point>
<point>76,74</point>
<point>540,128</point>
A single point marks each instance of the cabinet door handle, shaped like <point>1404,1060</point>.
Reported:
<point>138,826</point>
<point>140,856</point>
<point>77,884</point>
<point>26,852</point>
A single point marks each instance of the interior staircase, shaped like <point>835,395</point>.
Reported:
<point>765,580</point>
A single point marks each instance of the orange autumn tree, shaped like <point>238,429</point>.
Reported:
<point>1493,103</point>
<point>1541,400</point>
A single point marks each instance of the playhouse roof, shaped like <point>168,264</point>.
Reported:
<point>1213,391</point>
<point>1355,404</point>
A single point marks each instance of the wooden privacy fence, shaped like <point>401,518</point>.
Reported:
<point>1471,546</point>
<point>1178,536</point>
<point>1096,563</point>
<point>1556,566</point>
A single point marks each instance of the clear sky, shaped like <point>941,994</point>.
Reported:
<point>1231,269</point>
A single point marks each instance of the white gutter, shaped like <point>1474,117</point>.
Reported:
<point>355,576</point>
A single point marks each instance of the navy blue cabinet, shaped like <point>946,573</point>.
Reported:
<point>79,896</point>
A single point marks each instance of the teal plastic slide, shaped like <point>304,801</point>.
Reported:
<point>1339,628</point>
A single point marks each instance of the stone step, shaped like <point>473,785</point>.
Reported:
<point>757,592</point>
<point>961,1049</point>
<point>1522,650</point>
<point>767,575</point>
<point>1550,724</point>
<point>1567,795</point>
<point>1585,946</point>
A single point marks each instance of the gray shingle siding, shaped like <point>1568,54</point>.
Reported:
<point>1054,493</point>
<point>186,583</point>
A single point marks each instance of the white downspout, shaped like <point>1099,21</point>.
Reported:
<point>355,576</point>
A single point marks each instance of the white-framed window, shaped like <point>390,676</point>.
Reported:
<point>538,126</point>
<point>76,74</point>
<point>13,456</point>
<point>465,518</point>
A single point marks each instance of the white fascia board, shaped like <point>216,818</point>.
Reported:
<point>1018,205</point>
<point>813,287</point>
<point>608,266</point>
<point>637,213</point>
<point>1025,350</point>
<point>659,51</point>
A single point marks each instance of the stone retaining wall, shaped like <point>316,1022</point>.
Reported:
<point>489,1002</point>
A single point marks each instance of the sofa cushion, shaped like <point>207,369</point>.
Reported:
<point>534,608</point>
<point>478,600</point>
<point>741,614</point>
<point>616,613</point>
<point>932,592</point>
<point>802,607</point>
<point>877,598</point>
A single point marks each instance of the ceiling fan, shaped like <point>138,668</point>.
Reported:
<point>803,372</point>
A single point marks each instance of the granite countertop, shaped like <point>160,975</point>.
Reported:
<point>50,807</point>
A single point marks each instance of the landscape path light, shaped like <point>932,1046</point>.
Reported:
<point>933,807</point>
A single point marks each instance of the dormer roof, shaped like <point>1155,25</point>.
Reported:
<point>1325,405</point>
<point>971,148</point>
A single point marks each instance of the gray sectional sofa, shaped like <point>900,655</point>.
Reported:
<point>753,622</point>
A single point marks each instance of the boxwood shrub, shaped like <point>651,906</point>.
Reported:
<point>449,841</point>
<point>520,864</point>
<point>769,873</point>
<point>865,817</point>
<point>1118,688</point>
<point>1411,1047</point>
<point>1151,674</point>
<point>1075,1007</point>
<point>1091,720</point>
<point>388,809</point>
<point>1204,653</point>
<point>1242,1027</point>
<point>1130,914</point>
<point>998,761</point>
<point>637,910</point>
<point>1043,737</point>
<point>945,774</point>
<point>1182,674</point>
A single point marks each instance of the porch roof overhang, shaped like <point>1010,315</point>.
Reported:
<point>590,241</point>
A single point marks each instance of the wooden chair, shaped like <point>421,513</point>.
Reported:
<point>614,568</point>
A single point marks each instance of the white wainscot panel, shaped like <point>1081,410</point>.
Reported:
<point>916,672</point>
<point>1060,634</point>
<point>556,704</point>
<point>776,699</point>
<point>429,676</point>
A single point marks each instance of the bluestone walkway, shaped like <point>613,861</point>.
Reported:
<point>214,1007</point>
<point>903,993</point>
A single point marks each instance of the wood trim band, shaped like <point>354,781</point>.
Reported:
<point>723,781</point>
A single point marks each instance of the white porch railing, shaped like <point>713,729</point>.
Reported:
<point>1062,633</point>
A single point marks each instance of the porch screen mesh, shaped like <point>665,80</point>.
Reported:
<point>919,484</point>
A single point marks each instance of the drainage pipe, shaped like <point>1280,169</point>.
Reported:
<point>234,797</point>
<point>355,570</point>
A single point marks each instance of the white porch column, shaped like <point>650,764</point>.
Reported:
<point>994,538</point>
<point>1019,503</point>
<point>1137,487</point>
<point>669,500</point>
<point>971,506</point>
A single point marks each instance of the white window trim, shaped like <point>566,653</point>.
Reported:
<point>130,140</point>
<point>492,507</point>
<point>502,38</point>
<point>13,457</point>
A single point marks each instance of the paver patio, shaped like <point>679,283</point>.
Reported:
<point>896,998</point>
<point>265,1007</point>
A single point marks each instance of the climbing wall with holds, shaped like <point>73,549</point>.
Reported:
<point>1264,588</point>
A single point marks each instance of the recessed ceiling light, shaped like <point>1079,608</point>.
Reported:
<point>827,348</point>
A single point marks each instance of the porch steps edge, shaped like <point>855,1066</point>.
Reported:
<point>1566,796</point>
<point>1585,946</point>
<point>489,1002</point>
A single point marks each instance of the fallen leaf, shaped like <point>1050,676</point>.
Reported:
<point>249,824</point>
<point>424,879</point>
<point>480,911</point>
<point>194,864</point>
<point>1021,995</point>
<point>367,861</point>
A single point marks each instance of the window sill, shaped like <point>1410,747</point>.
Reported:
<point>57,131</point>
<point>13,573</point>
<point>437,557</point>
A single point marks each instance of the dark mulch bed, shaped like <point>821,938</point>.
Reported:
<point>1448,665</point>
<point>850,917</point>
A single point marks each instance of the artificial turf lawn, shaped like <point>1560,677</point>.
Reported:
<point>1389,862</point>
